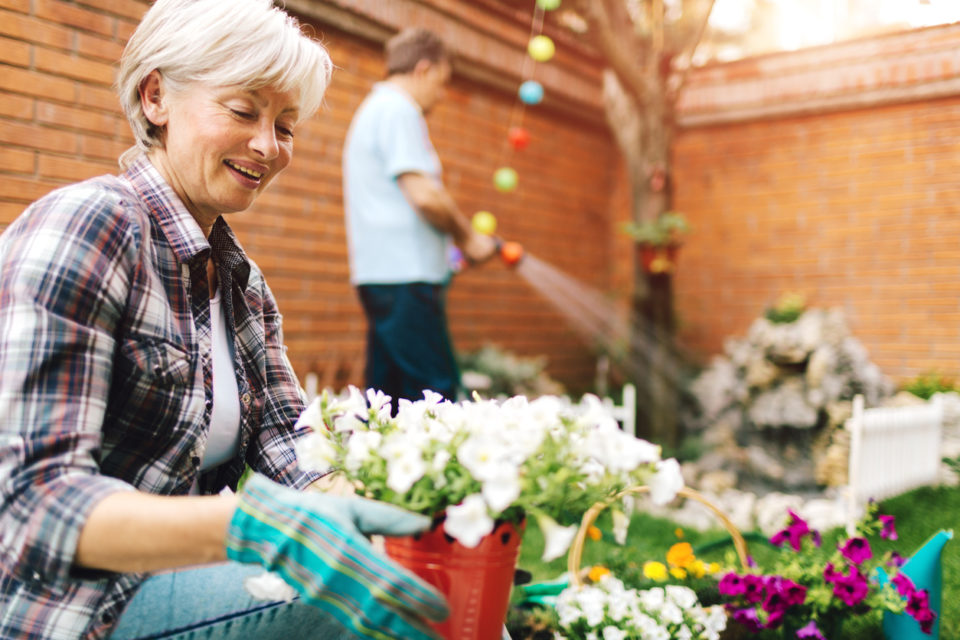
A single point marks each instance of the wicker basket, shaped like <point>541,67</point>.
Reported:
<point>576,549</point>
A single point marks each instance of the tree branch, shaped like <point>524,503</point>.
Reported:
<point>684,74</point>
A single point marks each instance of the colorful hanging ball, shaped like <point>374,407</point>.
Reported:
<point>505,179</point>
<point>541,48</point>
<point>484,222</point>
<point>548,5</point>
<point>531,92</point>
<point>519,138</point>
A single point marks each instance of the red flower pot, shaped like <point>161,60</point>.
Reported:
<point>658,258</point>
<point>476,582</point>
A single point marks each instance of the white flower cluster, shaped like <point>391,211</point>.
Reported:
<point>481,460</point>
<point>609,611</point>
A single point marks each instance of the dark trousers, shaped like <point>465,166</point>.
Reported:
<point>408,343</point>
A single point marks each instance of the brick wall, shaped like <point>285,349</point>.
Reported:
<point>831,172</point>
<point>59,122</point>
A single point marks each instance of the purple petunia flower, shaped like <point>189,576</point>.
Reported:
<point>917,602</point>
<point>748,618</point>
<point>794,533</point>
<point>856,550</point>
<point>731,585</point>
<point>810,632</point>
<point>753,588</point>
<point>852,588</point>
<point>926,618</point>
<point>830,574</point>
<point>896,560</point>
<point>888,532</point>
<point>904,584</point>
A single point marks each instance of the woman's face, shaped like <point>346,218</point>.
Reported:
<point>223,146</point>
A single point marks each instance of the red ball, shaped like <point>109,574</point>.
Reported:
<point>519,138</point>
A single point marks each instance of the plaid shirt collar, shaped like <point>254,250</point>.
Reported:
<point>180,227</point>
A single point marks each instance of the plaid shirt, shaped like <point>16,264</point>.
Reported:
<point>105,384</point>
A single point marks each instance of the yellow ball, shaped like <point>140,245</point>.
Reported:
<point>484,222</point>
<point>548,5</point>
<point>541,48</point>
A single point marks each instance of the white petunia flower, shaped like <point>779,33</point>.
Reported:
<point>482,455</point>
<point>315,452</point>
<point>352,412</point>
<point>360,448</point>
<point>379,404</point>
<point>683,597</point>
<point>557,539</point>
<point>621,523</point>
<point>665,482</point>
<point>311,417</point>
<point>611,632</point>
<point>469,521</point>
<point>502,489</point>
<point>671,613</point>
<point>684,633</point>
<point>405,464</point>
<point>269,586</point>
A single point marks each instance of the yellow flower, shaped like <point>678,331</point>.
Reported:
<point>678,573</point>
<point>678,532</point>
<point>655,571</point>
<point>698,568</point>
<point>680,555</point>
<point>713,567</point>
<point>594,533</point>
<point>597,572</point>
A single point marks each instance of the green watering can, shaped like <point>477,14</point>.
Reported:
<point>924,569</point>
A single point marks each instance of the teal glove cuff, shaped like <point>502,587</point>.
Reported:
<point>316,543</point>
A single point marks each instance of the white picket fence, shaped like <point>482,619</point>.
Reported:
<point>892,450</point>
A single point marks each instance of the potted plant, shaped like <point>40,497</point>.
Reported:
<point>480,468</point>
<point>658,240</point>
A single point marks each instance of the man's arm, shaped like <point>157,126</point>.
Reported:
<point>436,205</point>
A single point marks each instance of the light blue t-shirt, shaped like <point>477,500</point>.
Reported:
<point>389,242</point>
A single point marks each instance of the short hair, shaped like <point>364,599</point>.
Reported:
<point>246,43</point>
<point>410,46</point>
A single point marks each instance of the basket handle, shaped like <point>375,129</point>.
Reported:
<point>576,549</point>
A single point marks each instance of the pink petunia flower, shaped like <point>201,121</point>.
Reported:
<point>904,584</point>
<point>896,560</point>
<point>852,588</point>
<point>888,532</point>
<point>795,532</point>
<point>810,632</point>
<point>731,585</point>
<point>856,550</point>
<point>748,618</point>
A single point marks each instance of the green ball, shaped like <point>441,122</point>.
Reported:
<point>548,5</point>
<point>541,48</point>
<point>505,179</point>
<point>484,222</point>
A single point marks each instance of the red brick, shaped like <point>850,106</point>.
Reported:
<point>94,46</point>
<point>74,16</point>
<point>29,83</point>
<point>13,189</point>
<point>36,137</point>
<point>13,106</point>
<point>32,30</point>
<point>97,147</point>
<point>14,52</point>
<point>99,98</point>
<point>58,167</point>
<point>75,118</point>
<point>125,8</point>
<point>16,160</point>
<point>22,6</point>
<point>73,66</point>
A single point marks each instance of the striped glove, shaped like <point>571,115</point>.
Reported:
<point>317,544</point>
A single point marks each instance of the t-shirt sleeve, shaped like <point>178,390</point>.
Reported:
<point>405,142</point>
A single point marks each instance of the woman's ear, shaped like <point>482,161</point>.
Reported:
<point>152,99</point>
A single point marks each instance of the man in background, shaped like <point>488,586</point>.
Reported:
<point>400,219</point>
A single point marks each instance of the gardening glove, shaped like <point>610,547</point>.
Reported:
<point>317,544</point>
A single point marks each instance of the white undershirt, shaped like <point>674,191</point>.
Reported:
<point>223,440</point>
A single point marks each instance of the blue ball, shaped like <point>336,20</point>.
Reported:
<point>531,92</point>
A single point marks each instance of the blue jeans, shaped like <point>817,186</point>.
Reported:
<point>210,603</point>
<point>408,342</point>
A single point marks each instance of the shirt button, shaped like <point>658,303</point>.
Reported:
<point>245,399</point>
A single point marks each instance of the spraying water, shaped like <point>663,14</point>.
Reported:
<point>640,349</point>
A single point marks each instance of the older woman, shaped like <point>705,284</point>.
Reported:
<point>143,369</point>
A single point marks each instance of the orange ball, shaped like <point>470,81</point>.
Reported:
<point>511,252</point>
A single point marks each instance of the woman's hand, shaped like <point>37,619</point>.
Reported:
<point>317,543</point>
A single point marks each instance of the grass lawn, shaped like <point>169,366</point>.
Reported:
<point>919,514</point>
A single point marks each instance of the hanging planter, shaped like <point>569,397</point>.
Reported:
<point>658,241</point>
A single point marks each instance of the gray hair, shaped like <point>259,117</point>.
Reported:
<point>246,43</point>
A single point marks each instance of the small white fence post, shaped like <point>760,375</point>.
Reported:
<point>892,450</point>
